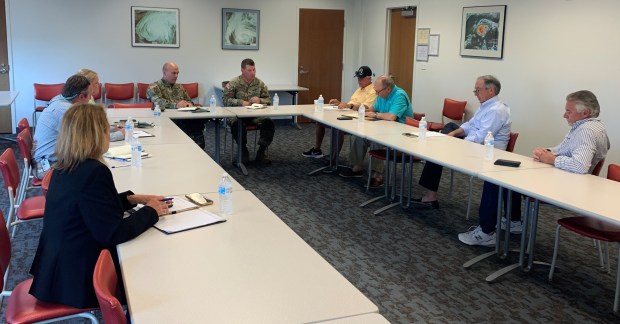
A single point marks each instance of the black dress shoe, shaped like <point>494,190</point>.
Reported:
<point>431,204</point>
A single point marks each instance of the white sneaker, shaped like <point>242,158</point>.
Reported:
<point>476,236</point>
<point>516,227</point>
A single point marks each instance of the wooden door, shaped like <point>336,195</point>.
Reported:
<point>6,121</point>
<point>402,45</point>
<point>321,36</point>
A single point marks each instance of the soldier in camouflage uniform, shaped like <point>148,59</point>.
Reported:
<point>245,90</point>
<point>171,95</point>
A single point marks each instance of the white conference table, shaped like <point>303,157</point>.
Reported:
<point>250,269</point>
<point>173,169</point>
<point>216,115</point>
<point>457,154</point>
<point>165,133</point>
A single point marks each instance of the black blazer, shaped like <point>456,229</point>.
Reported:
<point>83,215</point>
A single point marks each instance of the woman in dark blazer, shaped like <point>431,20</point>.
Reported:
<point>84,212</point>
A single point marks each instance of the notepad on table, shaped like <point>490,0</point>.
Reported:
<point>122,153</point>
<point>142,133</point>
<point>187,109</point>
<point>256,106</point>
<point>354,115</point>
<point>185,215</point>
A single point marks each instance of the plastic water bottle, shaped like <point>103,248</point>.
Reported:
<point>361,114</point>
<point>225,192</point>
<point>276,102</point>
<point>212,103</point>
<point>157,115</point>
<point>136,153</point>
<point>129,131</point>
<point>489,145</point>
<point>320,103</point>
<point>423,128</point>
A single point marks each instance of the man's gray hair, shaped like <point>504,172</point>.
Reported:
<point>585,99</point>
<point>491,81</point>
<point>386,81</point>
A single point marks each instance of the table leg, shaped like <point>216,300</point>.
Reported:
<point>294,102</point>
<point>402,187</point>
<point>217,122</point>
<point>239,144</point>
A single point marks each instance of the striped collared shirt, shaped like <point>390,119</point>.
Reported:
<point>583,147</point>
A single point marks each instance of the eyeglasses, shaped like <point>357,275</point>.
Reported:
<point>379,91</point>
<point>476,91</point>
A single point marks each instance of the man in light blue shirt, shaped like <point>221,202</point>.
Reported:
<point>392,104</point>
<point>76,90</point>
<point>492,116</point>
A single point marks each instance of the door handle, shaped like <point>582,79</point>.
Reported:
<point>4,68</point>
<point>302,71</point>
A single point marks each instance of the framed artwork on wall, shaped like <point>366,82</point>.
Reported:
<point>240,29</point>
<point>482,31</point>
<point>154,27</point>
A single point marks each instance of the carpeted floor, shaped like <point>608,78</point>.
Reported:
<point>407,261</point>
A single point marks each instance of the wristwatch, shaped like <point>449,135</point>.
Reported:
<point>376,114</point>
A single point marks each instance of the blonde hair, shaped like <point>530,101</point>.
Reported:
<point>89,74</point>
<point>82,136</point>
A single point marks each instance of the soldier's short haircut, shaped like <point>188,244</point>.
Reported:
<point>247,61</point>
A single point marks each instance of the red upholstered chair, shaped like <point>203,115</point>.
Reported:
<point>23,124</point>
<point>141,91</point>
<point>594,229</point>
<point>20,209</point>
<point>25,144</point>
<point>105,283</point>
<point>452,109</point>
<point>136,105</point>
<point>45,183</point>
<point>22,307</point>
<point>44,93</point>
<point>119,91</point>
<point>192,90</point>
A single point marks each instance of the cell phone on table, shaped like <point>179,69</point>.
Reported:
<point>508,163</point>
<point>410,135</point>
<point>344,118</point>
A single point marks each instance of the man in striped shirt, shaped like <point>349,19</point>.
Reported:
<point>586,143</point>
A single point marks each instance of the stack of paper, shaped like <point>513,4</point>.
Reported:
<point>122,153</point>
<point>256,106</point>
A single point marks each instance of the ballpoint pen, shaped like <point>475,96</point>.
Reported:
<point>167,199</point>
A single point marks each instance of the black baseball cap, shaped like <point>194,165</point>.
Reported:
<point>363,71</point>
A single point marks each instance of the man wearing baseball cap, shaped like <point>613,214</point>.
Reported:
<point>365,95</point>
